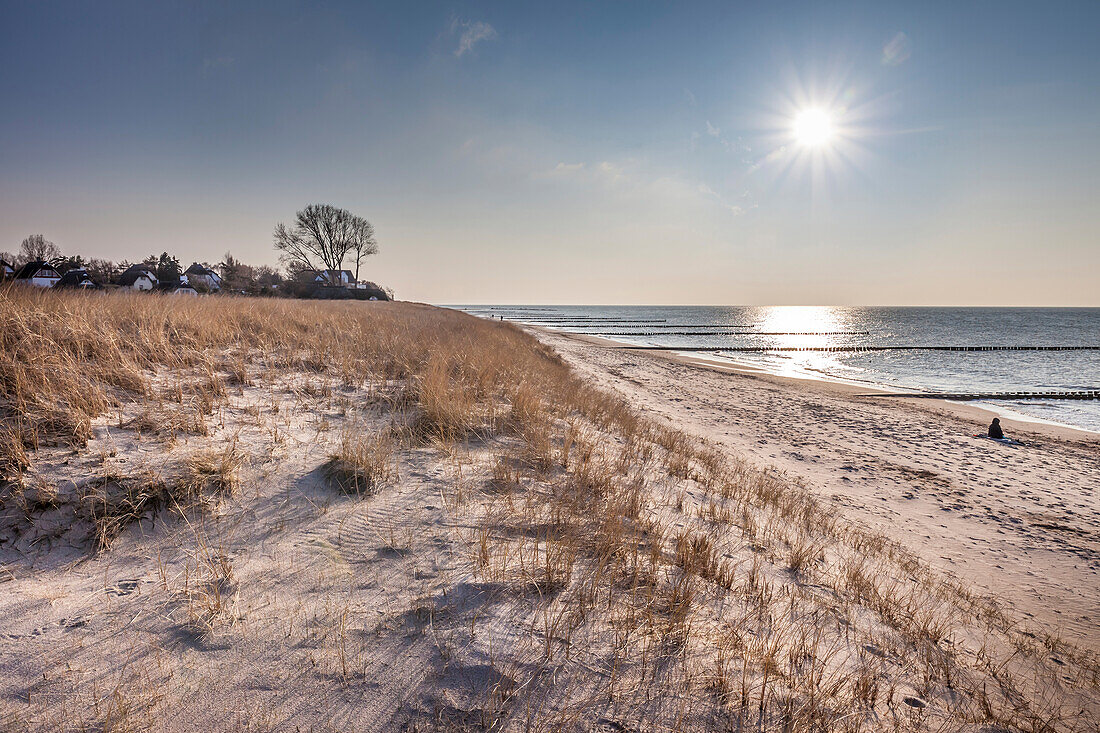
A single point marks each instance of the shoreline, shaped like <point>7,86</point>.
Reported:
<point>1022,524</point>
<point>1012,420</point>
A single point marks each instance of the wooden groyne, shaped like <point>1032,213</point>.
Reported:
<point>729,330</point>
<point>590,321</point>
<point>733,333</point>
<point>764,349</point>
<point>1082,394</point>
<point>674,325</point>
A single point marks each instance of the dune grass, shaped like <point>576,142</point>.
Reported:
<point>698,576</point>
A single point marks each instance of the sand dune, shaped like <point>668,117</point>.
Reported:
<point>418,520</point>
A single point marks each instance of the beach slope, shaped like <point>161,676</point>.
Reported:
<point>260,514</point>
<point>1020,522</point>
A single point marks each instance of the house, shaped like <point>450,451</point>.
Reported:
<point>138,277</point>
<point>202,277</point>
<point>183,287</point>
<point>336,278</point>
<point>38,273</point>
<point>79,279</point>
<point>7,270</point>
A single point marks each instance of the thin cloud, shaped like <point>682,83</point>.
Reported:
<point>634,179</point>
<point>710,192</point>
<point>768,159</point>
<point>715,132</point>
<point>896,51</point>
<point>568,167</point>
<point>471,33</point>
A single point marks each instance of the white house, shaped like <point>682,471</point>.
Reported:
<point>202,277</point>
<point>7,270</point>
<point>339,278</point>
<point>183,287</point>
<point>138,277</point>
<point>40,274</point>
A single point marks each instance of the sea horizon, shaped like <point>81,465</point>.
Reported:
<point>815,330</point>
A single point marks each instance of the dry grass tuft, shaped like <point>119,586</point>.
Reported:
<point>209,589</point>
<point>216,470</point>
<point>363,464</point>
<point>114,502</point>
<point>13,453</point>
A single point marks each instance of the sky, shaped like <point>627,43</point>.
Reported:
<point>592,153</point>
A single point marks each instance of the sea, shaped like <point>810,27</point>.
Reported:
<point>829,342</point>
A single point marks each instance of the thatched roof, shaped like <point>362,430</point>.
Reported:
<point>77,279</point>
<point>135,273</point>
<point>170,286</point>
<point>337,275</point>
<point>197,269</point>
<point>38,268</point>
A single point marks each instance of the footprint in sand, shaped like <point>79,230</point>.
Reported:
<point>124,587</point>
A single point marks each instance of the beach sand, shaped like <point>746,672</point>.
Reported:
<point>1022,523</point>
<point>568,564</point>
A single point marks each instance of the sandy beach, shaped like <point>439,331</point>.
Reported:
<point>426,521</point>
<point>1021,523</point>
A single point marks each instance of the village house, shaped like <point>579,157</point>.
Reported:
<point>202,277</point>
<point>39,273</point>
<point>183,287</point>
<point>138,277</point>
<point>79,279</point>
<point>336,278</point>
<point>7,270</point>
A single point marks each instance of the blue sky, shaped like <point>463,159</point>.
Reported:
<point>618,152</point>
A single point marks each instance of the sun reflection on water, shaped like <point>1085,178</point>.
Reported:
<point>791,318</point>
<point>800,321</point>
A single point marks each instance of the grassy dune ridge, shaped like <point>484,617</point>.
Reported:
<point>633,576</point>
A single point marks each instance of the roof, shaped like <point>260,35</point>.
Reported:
<point>326,273</point>
<point>197,269</point>
<point>76,279</point>
<point>5,263</point>
<point>170,287</point>
<point>29,270</point>
<point>134,273</point>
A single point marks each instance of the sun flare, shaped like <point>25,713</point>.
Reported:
<point>813,127</point>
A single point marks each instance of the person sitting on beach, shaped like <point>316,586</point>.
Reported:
<point>995,431</point>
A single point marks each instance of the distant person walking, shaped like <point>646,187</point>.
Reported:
<point>995,431</point>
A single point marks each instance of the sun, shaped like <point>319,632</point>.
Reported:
<point>813,127</point>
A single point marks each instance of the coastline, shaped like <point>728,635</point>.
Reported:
<point>1013,421</point>
<point>1022,524</point>
<point>430,509</point>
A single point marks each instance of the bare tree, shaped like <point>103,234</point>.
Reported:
<point>102,271</point>
<point>363,244</point>
<point>36,247</point>
<point>317,241</point>
<point>322,238</point>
